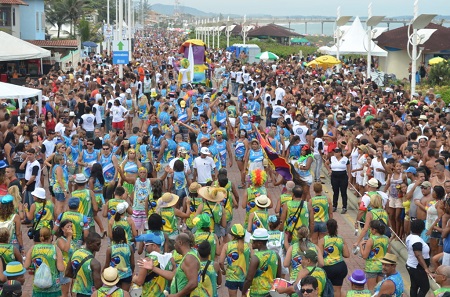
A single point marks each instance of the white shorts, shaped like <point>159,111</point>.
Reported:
<point>446,259</point>
<point>395,202</point>
<point>232,122</point>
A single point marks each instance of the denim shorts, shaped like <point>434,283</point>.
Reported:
<point>234,285</point>
<point>60,197</point>
<point>64,280</point>
<point>374,274</point>
<point>320,227</point>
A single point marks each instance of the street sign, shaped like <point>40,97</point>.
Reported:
<point>120,57</point>
<point>120,45</point>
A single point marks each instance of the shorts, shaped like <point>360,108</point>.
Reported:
<point>148,166</point>
<point>60,197</point>
<point>374,274</point>
<point>126,280</point>
<point>118,125</point>
<point>336,273</point>
<point>219,230</point>
<point>161,169</point>
<point>320,227</point>
<point>446,259</point>
<point>239,159</point>
<point>128,187</point>
<point>100,200</point>
<point>64,280</point>
<point>395,203</point>
<point>435,234</point>
<point>139,217</point>
<point>234,285</point>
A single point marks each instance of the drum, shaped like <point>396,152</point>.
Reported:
<point>279,283</point>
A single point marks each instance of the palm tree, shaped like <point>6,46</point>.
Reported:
<point>55,14</point>
<point>74,10</point>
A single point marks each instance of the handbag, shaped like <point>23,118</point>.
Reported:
<point>32,231</point>
<point>288,234</point>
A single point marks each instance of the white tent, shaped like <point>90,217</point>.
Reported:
<point>14,49</point>
<point>10,91</point>
<point>354,41</point>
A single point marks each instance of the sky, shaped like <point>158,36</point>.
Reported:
<point>388,8</point>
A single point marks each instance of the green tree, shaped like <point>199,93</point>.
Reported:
<point>74,9</point>
<point>56,14</point>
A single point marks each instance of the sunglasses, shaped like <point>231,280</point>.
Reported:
<point>424,188</point>
<point>106,148</point>
<point>309,291</point>
<point>90,144</point>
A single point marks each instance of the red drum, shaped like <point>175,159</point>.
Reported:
<point>279,283</point>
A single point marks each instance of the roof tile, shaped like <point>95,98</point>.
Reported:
<point>55,43</point>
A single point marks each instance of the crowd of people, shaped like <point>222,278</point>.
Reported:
<point>141,164</point>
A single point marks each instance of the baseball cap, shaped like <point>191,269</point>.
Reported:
<point>182,150</point>
<point>205,151</point>
<point>74,202</point>
<point>425,184</point>
<point>411,170</point>
<point>149,238</point>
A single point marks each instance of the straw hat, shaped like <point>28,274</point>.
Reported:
<point>213,194</point>
<point>110,276</point>
<point>168,200</point>
<point>389,259</point>
<point>193,188</point>
<point>262,201</point>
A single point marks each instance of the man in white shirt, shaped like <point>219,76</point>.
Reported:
<point>277,111</point>
<point>48,146</point>
<point>301,130</point>
<point>118,115</point>
<point>280,93</point>
<point>203,166</point>
<point>87,122</point>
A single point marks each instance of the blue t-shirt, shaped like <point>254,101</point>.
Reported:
<point>179,180</point>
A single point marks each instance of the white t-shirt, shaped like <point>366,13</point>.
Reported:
<point>301,131</point>
<point>88,122</point>
<point>117,113</point>
<point>412,259</point>
<point>417,195</point>
<point>318,146</point>
<point>204,168</point>
<point>279,94</point>
<point>49,147</point>
<point>340,165</point>
<point>187,168</point>
<point>239,76</point>
<point>277,110</point>
<point>381,176</point>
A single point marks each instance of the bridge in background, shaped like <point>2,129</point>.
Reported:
<point>305,21</point>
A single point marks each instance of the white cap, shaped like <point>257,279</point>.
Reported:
<point>205,151</point>
<point>122,207</point>
<point>245,115</point>
<point>128,91</point>
<point>71,114</point>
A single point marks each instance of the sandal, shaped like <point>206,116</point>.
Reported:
<point>240,187</point>
<point>104,234</point>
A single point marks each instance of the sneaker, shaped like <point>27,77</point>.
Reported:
<point>334,209</point>
<point>344,211</point>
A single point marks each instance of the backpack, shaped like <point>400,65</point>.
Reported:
<point>43,277</point>
<point>387,230</point>
<point>9,224</point>
<point>328,290</point>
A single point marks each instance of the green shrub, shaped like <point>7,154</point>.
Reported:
<point>439,74</point>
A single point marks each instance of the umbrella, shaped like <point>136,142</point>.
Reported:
<point>267,56</point>
<point>313,64</point>
<point>436,60</point>
<point>89,44</point>
<point>328,60</point>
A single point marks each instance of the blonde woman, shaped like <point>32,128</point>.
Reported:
<point>17,202</point>
<point>130,167</point>
<point>142,109</point>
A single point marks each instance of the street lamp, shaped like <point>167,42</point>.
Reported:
<point>418,37</point>
<point>338,34</point>
<point>371,22</point>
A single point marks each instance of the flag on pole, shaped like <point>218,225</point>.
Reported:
<point>280,164</point>
<point>191,62</point>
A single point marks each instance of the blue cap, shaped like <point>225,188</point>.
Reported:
<point>411,170</point>
<point>149,238</point>
<point>3,164</point>
<point>7,199</point>
<point>74,202</point>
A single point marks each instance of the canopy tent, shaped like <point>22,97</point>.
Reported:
<point>10,91</point>
<point>14,49</point>
<point>354,41</point>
